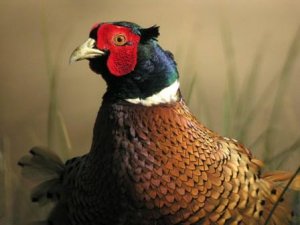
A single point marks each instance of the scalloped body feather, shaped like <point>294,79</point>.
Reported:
<point>159,165</point>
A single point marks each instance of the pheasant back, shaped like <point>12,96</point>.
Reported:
<point>177,171</point>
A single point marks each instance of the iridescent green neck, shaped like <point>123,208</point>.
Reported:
<point>155,71</point>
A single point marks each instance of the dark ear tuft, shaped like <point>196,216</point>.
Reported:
<point>149,33</point>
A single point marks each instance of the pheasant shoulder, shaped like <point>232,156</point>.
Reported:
<point>178,171</point>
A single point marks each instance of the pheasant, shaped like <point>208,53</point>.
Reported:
<point>151,161</point>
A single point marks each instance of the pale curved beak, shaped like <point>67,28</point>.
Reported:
<point>85,51</point>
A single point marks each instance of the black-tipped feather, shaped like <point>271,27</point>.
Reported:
<point>47,190</point>
<point>149,33</point>
<point>46,168</point>
<point>41,165</point>
<point>54,179</point>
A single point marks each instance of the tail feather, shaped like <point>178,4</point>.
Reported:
<point>46,168</point>
<point>47,190</point>
<point>278,206</point>
<point>41,163</point>
<point>283,177</point>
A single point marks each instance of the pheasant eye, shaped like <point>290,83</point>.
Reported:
<point>120,40</point>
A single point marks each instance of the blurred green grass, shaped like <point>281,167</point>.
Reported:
<point>239,116</point>
<point>240,109</point>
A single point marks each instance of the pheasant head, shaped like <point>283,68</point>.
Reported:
<point>134,66</point>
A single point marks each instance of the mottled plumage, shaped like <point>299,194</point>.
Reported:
<point>156,164</point>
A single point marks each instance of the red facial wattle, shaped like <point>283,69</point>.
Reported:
<point>122,58</point>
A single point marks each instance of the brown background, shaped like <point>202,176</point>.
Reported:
<point>191,29</point>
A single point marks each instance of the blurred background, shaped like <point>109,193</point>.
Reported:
<point>239,64</point>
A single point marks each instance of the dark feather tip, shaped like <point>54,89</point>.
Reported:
<point>49,195</point>
<point>149,33</point>
<point>32,151</point>
<point>21,164</point>
<point>34,199</point>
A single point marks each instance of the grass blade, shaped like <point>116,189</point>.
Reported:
<point>260,138</point>
<point>58,138</point>
<point>52,108</point>
<point>250,84</point>
<point>191,88</point>
<point>63,133</point>
<point>230,91</point>
<point>281,195</point>
<point>226,113</point>
<point>203,103</point>
<point>263,99</point>
<point>284,154</point>
<point>269,90</point>
<point>2,181</point>
<point>284,79</point>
